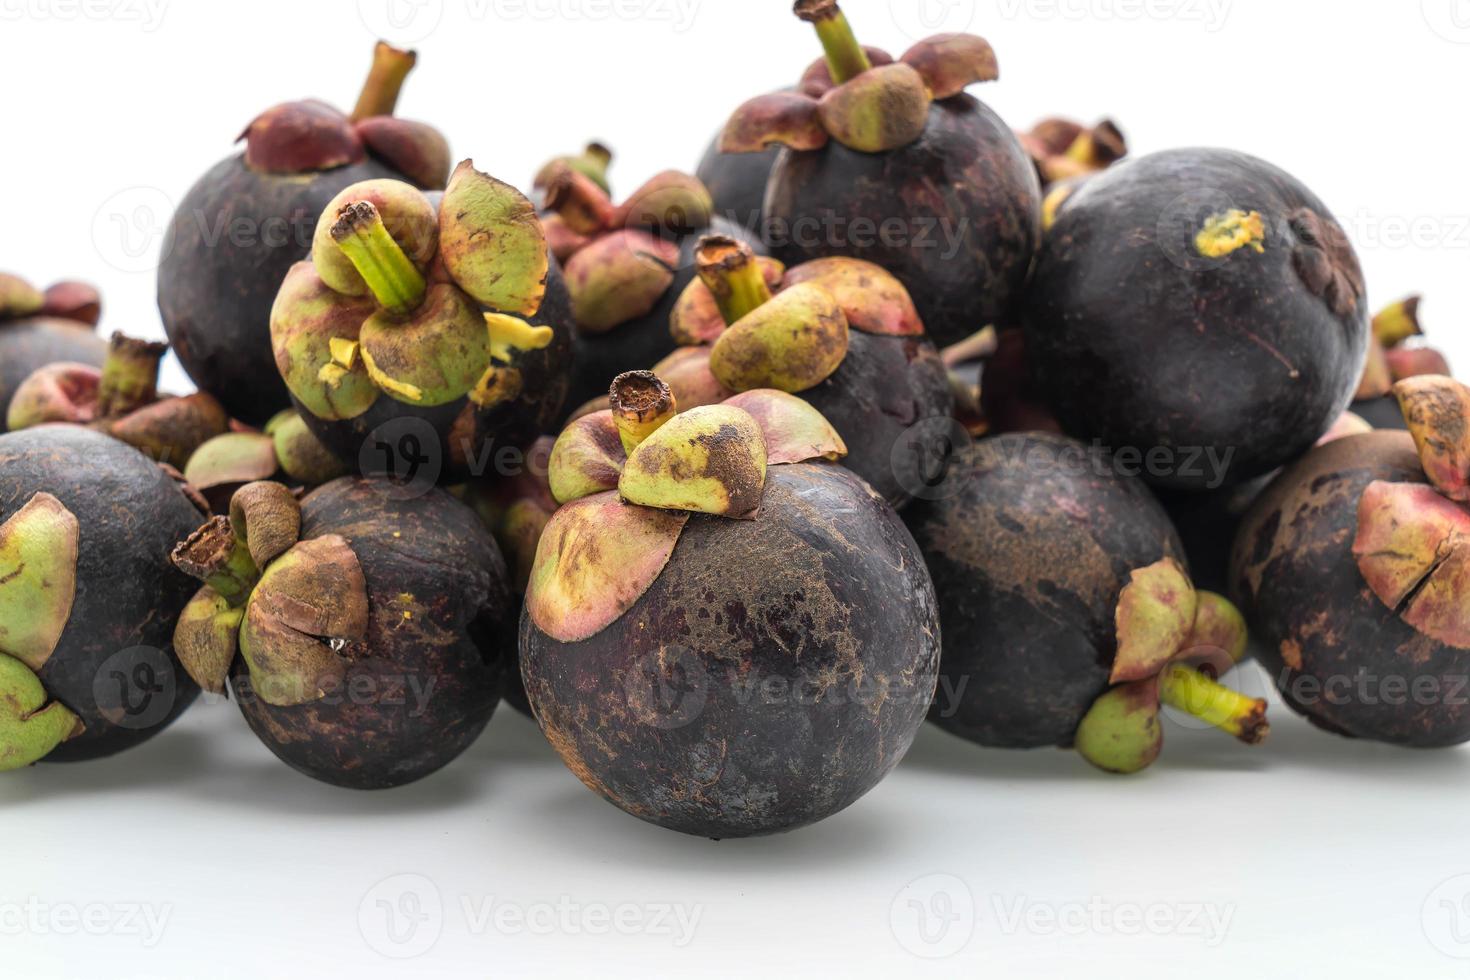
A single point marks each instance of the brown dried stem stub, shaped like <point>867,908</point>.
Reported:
<point>379,95</point>
<point>129,375</point>
<point>219,558</point>
<point>641,402</point>
<point>592,163</point>
<point>729,270</point>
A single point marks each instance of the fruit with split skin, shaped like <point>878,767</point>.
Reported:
<point>121,399</point>
<point>1200,308</point>
<point>357,628</point>
<point>243,225</point>
<point>38,328</point>
<point>88,598</point>
<point>891,161</point>
<point>626,265</point>
<point>1353,569</point>
<point>285,450</point>
<point>702,556</point>
<point>1068,617</point>
<point>840,333</point>
<point>1395,353</point>
<point>444,320</point>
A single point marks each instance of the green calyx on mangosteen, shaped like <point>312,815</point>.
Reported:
<point>38,328</point>
<point>721,551</point>
<point>892,162</point>
<point>1067,616</point>
<point>1201,305</point>
<point>356,627</point>
<point>285,450</point>
<point>625,266</point>
<point>1066,151</point>
<point>1354,567</point>
<point>843,334</point>
<point>434,313</point>
<point>121,399</point>
<point>88,599</point>
<point>592,163</point>
<point>249,219</point>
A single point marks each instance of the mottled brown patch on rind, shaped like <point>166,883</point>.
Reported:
<point>670,711</point>
<point>1331,645</point>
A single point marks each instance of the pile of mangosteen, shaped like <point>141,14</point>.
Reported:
<point>636,465</point>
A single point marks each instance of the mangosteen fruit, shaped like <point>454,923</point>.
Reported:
<point>723,634</point>
<point>422,333</point>
<point>88,598</point>
<point>1200,308</point>
<point>1395,353</point>
<point>737,183</point>
<point>516,506</point>
<point>285,451</point>
<point>1354,571</point>
<point>1068,617</point>
<point>893,163</point>
<point>1064,150</point>
<point>121,399</point>
<point>844,335</point>
<point>356,628</point>
<point>625,266</point>
<point>39,328</point>
<point>240,229</point>
<point>593,163</point>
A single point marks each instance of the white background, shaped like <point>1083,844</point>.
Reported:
<point>1320,856</point>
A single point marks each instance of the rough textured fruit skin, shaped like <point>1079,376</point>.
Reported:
<point>32,343</point>
<point>966,170</point>
<point>515,423</point>
<point>232,240</point>
<point>430,547</point>
<point>1381,413</point>
<point>737,182</point>
<point>827,585</point>
<point>1145,348</point>
<point>1028,557</point>
<point>1314,618</point>
<point>129,595</point>
<point>640,343</point>
<point>886,386</point>
<point>1207,522</point>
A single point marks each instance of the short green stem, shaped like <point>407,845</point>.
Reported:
<point>219,558</point>
<point>731,271</point>
<point>379,96</point>
<point>846,58</point>
<point>1193,692</point>
<point>395,281</point>
<point>129,376</point>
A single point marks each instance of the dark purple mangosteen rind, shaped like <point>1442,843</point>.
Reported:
<point>1029,554</point>
<point>1139,341</point>
<point>432,682</point>
<point>1381,413</point>
<point>34,342</point>
<point>117,647</point>
<point>885,387</point>
<point>642,342</point>
<point>825,584</point>
<point>1336,653</point>
<point>1207,522</point>
<point>737,183</point>
<point>515,424</point>
<point>966,169</point>
<point>233,238</point>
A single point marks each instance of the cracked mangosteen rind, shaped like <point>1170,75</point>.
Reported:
<point>1215,305</point>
